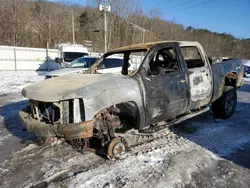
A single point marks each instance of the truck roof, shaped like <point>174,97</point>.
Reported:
<point>149,45</point>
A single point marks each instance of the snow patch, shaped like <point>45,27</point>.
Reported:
<point>2,138</point>
<point>14,82</point>
<point>222,138</point>
<point>247,79</point>
<point>160,168</point>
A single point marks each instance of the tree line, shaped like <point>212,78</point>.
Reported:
<point>34,23</point>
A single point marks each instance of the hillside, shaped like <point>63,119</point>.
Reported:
<point>34,23</point>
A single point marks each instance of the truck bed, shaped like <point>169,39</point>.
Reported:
<point>221,69</point>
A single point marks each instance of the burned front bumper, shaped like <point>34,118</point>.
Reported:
<point>43,130</point>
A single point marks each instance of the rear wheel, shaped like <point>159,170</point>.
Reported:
<point>225,106</point>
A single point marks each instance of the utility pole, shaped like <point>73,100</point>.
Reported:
<point>105,8</point>
<point>47,47</point>
<point>143,36</point>
<point>73,26</point>
<point>243,53</point>
<point>171,34</point>
<point>49,27</point>
<point>105,28</point>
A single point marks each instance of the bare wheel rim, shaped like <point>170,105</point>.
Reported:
<point>117,148</point>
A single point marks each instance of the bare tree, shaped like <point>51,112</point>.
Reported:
<point>34,23</point>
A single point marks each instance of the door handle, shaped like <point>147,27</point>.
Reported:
<point>182,81</point>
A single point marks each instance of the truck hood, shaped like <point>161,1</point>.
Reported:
<point>74,86</point>
<point>64,71</point>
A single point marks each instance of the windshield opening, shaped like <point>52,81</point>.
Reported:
<point>71,56</point>
<point>124,62</point>
<point>83,62</point>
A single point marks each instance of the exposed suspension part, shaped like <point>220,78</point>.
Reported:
<point>80,144</point>
<point>105,124</point>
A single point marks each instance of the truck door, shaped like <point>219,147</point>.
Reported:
<point>166,89</point>
<point>199,73</point>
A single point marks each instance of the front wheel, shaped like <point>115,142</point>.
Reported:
<point>224,107</point>
<point>117,148</point>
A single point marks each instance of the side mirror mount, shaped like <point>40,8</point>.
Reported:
<point>58,60</point>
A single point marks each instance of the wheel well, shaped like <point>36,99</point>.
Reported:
<point>128,113</point>
<point>231,79</point>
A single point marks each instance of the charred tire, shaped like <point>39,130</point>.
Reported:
<point>225,106</point>
<point>117,148</point>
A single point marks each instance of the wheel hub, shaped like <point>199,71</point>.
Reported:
<point>117,148</point>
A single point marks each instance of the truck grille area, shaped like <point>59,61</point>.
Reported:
<point>65,112</point>
<point>73,111</point>
<point>45,112</point>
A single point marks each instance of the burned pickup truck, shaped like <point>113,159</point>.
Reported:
<point>174,81</point>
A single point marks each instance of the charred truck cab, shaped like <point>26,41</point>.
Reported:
<point>175,81</point>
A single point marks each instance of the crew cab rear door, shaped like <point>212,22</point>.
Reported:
<point>199,74</point>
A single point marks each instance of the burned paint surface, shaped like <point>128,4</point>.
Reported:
<point>200,86</point>
<point>198,80</point>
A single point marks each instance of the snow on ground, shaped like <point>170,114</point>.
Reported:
<point>11,134</point>
<point>13,82</point>
<point>173,164</point>
<point>201,152</point>
<point>247,79</point>
<point>153,168</point>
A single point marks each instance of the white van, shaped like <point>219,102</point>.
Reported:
<point>70,52</point>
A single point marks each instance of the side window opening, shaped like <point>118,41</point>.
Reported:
<point>111,63</point>
<point>164,61</point>
<point>192,57</point>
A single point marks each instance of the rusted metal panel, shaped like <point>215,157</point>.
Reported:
<point>43,130</point>
<point>78,130</point>
<point>231,75</point>
<point>151,44</point>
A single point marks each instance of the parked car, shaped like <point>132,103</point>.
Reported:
<point>113,65</point>
<point>174,82</point>
<point>110,65</point>
<point>78,65</point>
<point>246,68</point>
